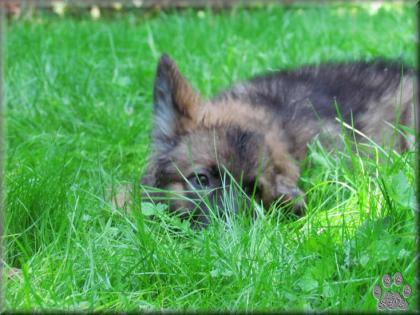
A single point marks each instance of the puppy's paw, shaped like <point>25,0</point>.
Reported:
<point>289,193</point>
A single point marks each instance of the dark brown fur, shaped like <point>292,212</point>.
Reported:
<point>259,129</point>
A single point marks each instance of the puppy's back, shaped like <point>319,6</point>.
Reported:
<point>304,101</point>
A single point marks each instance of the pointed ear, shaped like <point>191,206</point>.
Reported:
<point>175,101</point>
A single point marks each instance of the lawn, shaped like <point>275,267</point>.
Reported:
<point>79,103</point>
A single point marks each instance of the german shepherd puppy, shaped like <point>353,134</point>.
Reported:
<point>259,129</point>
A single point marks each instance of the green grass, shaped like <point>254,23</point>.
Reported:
<point>78,119</point>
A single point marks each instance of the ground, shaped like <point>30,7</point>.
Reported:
<point>79,102</point>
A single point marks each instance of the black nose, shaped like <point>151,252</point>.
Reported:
<point>223,202</point>
<point>200,220</point>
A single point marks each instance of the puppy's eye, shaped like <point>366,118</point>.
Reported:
<point>253,188</point>
<point>199,180</point>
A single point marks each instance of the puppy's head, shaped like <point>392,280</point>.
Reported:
<point>198,151</point>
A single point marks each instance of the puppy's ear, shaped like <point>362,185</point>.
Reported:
<point>175,101</point>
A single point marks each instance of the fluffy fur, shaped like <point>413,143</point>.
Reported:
<point>259,129</point>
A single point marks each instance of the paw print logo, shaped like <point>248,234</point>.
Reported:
<point>392,300</point>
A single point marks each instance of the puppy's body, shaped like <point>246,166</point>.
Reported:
<point>302,103</point>
<point>259,129</point>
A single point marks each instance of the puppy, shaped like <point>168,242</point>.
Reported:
<point>258,130</point>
